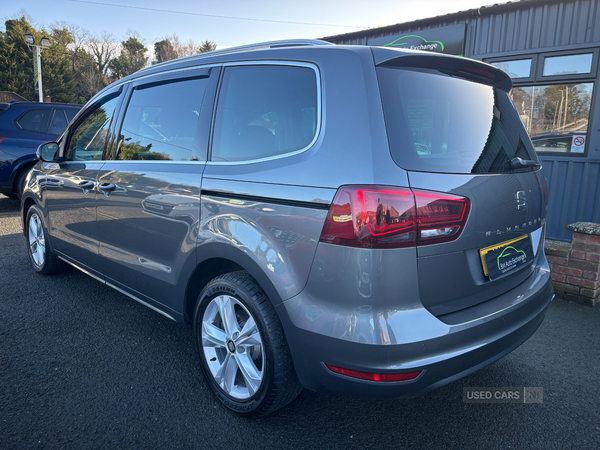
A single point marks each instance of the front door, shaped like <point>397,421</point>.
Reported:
<point>70,187</point>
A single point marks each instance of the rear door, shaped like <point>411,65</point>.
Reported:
<point>455,130</point>
<point>149,192</point>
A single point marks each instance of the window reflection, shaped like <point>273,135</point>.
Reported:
<point>515,69</point>
<point>264,111</point>
<point>564,65</point>
<point>555,116</point>
<point>88,139</point>
<point>160,122</point>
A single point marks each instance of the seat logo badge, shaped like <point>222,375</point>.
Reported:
<point>521,200</point>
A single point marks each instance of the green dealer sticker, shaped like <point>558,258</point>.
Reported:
<point>506,257</point>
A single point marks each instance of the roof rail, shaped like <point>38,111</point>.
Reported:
<point>241,48</point>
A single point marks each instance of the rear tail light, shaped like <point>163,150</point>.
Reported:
<point>440,217</point>
<point>374,376</point>
<point>393,217</point>
<point>1,139</point>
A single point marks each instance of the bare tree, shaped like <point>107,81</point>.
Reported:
<point>72,36</point>
<point>91,83</point>
<point>103,48</point>
<point>171,47</point>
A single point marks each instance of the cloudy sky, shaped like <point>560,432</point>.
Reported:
<point>233,22</point>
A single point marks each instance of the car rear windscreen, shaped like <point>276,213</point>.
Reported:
<point>438,123</point>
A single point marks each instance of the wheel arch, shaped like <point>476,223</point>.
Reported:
<point>27,203</point>
<point>23,166</point>
<point>217,259</point>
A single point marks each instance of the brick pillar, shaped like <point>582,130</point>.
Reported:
<point>576,271</point>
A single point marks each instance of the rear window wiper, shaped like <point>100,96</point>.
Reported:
<point>520,163</point>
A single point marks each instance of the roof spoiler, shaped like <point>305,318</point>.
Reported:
<point>455,66</point>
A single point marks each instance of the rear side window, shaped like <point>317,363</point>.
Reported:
<point>70,114</point>
<point>437,123</point>
<point>59,123</point>
<point>160,121</point>
<point>34,120</point>
<point>265,111</point>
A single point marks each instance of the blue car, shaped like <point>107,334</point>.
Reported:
<point>23,127</point>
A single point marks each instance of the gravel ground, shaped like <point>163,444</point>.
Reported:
<point>82,366</point>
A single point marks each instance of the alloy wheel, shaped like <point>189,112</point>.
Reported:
<point>233,347</point>
<point>37,241</point>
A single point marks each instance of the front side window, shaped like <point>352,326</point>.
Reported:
<point>555,116</point>
<point>160,121</point>
<point>265,111</point>
<point>35,120</point>
<point>88,138</point>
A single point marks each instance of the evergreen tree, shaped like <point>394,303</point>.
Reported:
<point>131,58</point>
<point>164,51</point>
<point>16,59</point>
<point>207,46</point>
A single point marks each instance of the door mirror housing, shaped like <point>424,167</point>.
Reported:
<point>48,152</point>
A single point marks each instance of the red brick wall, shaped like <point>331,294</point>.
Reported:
<point>576,277</point>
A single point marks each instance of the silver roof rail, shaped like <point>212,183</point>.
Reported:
<point>241,48</point>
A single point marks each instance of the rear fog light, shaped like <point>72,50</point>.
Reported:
<point>385,377</point>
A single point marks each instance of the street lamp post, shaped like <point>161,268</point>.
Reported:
<point>37,60</point>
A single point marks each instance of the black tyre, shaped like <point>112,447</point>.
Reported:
<point>244,355</point>
<point>41,257</point>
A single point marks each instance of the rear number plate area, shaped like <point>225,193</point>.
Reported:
<point>506,257</point>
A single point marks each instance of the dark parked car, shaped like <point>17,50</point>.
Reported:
<point>23,127</point>
<point>347,219</point>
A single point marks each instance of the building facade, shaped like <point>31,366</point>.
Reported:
<point>551,50</point>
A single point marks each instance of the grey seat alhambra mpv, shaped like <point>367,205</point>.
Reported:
<point>347,219</point>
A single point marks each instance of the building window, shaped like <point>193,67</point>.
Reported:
<point>555,116</point>
<point>553,95</point>
<point>518,68</point>
<point>567,65</point>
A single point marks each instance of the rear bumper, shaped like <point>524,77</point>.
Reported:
<point>392,340</point>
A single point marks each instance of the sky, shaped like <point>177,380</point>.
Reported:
<point>233,22</point>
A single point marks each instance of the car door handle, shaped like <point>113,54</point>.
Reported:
<point>86,185</point>
<point>107,187</point>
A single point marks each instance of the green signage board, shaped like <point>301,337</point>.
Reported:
<point>449,40</point>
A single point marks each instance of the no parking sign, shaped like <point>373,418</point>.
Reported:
<point>578,143</point>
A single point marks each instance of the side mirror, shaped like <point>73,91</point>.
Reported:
<point>48,152</point>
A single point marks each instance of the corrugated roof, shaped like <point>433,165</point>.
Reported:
<point>490,9</point>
